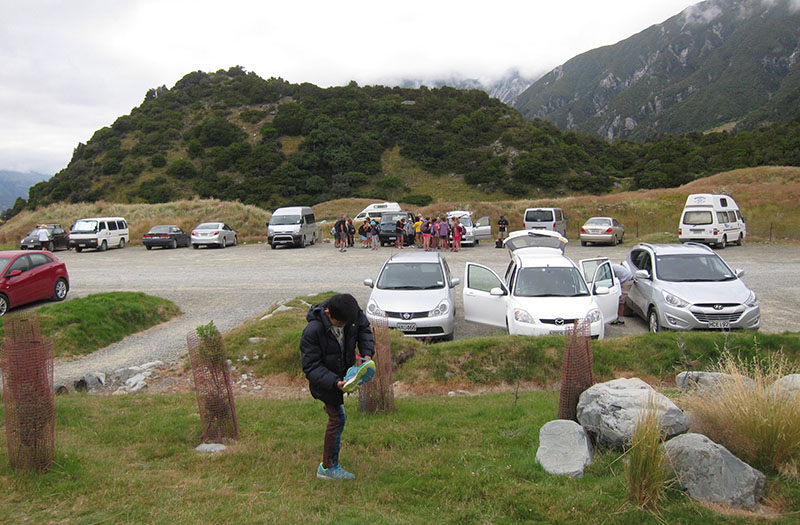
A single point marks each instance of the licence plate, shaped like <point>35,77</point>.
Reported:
<point>407,327</point>
<point>556,332</point>
<point>719,324</point>
<point>697,231</point>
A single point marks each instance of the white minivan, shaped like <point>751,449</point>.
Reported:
<point>293,225</point>
<point>552,219</point>
<point>373,211</point>
<point>712,219</point>
<point>99,233</point>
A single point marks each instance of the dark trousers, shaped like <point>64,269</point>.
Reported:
<point>333,435</point>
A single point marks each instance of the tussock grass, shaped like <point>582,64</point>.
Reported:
<point>757,423</point>
<point>646,472</point>
<point>81,326</point>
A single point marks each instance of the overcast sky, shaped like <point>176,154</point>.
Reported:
<point>68,68</point>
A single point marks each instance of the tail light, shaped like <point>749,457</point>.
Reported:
<point>554,226</point>
<point>680,232</point>
<point>609,230</point>
<point>583,230</point>
<point>215,232</point>
<point>194,233</point>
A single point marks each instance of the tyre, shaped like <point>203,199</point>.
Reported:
<point>103,246</point>
<point>195,246</point>
<point>223,244</point>
<point>272,245</point>
<point>613,240</point>
<point>313,239</point>
<point>740,241</point>
<point>235,240</point>
<point>3,305</point>
<point>50,247</point>
<point>653,322</point>
<point>622,237</point>
<point>477,242</point>
<point>149,247</point>
<point>60,290</point>
<point>723,243</point>
<point>78,249</point>
<point>121,243</point>
<point>448,337</point>
<point>583,243</point>
<point>173,244</point>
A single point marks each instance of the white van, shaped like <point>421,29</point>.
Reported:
<point>373,211</point>
<point>294,225</point>
<point>99,233</point>
<point>552,219</point>
<point>712,219</point>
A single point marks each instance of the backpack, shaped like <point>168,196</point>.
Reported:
<point>426,227</point>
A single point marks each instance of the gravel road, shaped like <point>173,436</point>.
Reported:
<point>231,285</point>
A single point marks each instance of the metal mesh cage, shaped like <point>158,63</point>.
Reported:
<point>576,368</point>
<point>378,394</point>
<point>26,361</point>
<point>212,384</point>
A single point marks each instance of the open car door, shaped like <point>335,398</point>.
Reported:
<point>599,274</point>
<point>482,229</point>
<point>480,304</point>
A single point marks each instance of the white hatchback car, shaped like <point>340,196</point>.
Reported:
<point>414,292</point>
<point>543,291</point>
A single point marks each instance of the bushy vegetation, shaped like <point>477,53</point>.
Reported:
<point>233,135</point>
<point>646,471</point>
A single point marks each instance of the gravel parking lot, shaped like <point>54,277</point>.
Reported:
<point>231,285</point>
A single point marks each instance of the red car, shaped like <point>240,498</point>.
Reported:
<point>28,276</point>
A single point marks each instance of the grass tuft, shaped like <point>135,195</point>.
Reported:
<point>646,472</point>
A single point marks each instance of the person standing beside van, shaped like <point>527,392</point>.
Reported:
<point>502,226</point>
<point>340,233</point>
<point>444,234</point>
<point>400,231</point>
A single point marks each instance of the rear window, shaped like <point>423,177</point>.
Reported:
<point>539,216</point>
<point>697,218</point>
<point>598,222</point>
<point>160,229</point>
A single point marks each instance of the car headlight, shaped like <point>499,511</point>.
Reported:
<point>752,300</point>
<point>521,316</point>
<point>593,315</point>
<point>674,300</point>
<point>441,309</point>
<point>374,310</point>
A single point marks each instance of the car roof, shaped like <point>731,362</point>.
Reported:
<point>538,257</point>
<point>676,249</point>
<point>14,253</point>
<point>415,257</point>
<point>598,217</point>
<point>458,213</point>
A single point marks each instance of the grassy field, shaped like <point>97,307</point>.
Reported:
<point>81,326</point>
<point>434,460</point>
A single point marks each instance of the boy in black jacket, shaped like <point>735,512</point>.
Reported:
<point>328,347</point>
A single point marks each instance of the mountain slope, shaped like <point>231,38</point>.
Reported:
<point>15,184</point>
<point>505,89</point>
<point>716,62</point>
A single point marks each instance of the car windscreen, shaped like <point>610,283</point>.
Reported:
<point>159,229</point>
<point>539,216</point>
<point>598,222</point>
<point>281,220</point>
<point>466,222</point>
<point>411,276</point>
<point>697,218</point>
<point>550,282</point>
<point>389,220</point>
<point>209,226</point>
<point>692,268</point>
<point>84,227</point>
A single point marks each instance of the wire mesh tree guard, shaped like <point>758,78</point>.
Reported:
<point>378,394</point>
<point>576,368</point>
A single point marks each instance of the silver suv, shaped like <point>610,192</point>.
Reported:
<point>686,287</point>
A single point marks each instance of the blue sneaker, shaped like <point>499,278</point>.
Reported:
<point>336,472</point>
<point>358,375</point>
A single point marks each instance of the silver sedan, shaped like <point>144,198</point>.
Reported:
<point>213,233</point>
<point>605,230</point>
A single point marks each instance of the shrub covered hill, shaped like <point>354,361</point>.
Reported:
<point>233,135</point>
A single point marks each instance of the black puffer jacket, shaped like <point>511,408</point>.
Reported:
<point>324,361</point>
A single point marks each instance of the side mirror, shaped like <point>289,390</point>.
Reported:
<point>496,292</point>
<point>739,272</point>
<point>641,274</point>
<point>369,282</point>
<point>455,281</point>
<point>602,290</point>
<point>14,273</point>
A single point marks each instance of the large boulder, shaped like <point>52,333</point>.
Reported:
<point>610,411</point>
<point>707,380</point>
<point>709,472</point>
<point>787,386</point>
<point>564,448</point>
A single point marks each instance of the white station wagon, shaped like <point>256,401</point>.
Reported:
<point>543,291</point>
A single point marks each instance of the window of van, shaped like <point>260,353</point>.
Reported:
<point>722,216</point>
<point>559,215</point>
<point>723,202</point>
<point>310,219</point>
<point>539,216</point>
<point>731,216</point>
<point>102,226</point>
<point>697,218</point>
<point>281,220</point>
<point>122,224</point>
<point>112,225</point>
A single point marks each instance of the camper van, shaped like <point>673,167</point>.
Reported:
<point>373,211</point>
<point>294,225</point>
<point>712,219</point>
<point>99,233</point>
<point>552,219</point>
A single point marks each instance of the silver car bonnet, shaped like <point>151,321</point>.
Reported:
<point>410,300</point>
<point>708,292</point>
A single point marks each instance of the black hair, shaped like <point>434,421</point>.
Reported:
<point>344,308</point>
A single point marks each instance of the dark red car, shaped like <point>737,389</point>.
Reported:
<point>27,276</point>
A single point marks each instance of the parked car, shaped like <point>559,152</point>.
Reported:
<point>213,233</point>
<point>686,287</point>
<point>166,236</point>
<point>59,238</point>
<point>712,219</point>
<point>543,291</point>
<point>26,277</point>
<point>99,232</point>
<point>602,229</point>
<point>473,232</point>
<point>293,225</point>
<point>414,291</point>
<point>387,232</point>
<point>552,219</point>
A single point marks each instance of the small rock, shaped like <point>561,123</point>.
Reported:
<point>152,364</point>
<point>266,317</point>
<point>244,377</point>
<point>255,340</point>
<point>564,448</point>
<point>283,308</point>
<point>211,447</point>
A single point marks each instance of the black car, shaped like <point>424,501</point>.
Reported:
<point>388,232</point>
<point>166,236</point>
<point>59,238</point>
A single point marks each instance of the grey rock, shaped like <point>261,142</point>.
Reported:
<point>564,448</point>
<point>701,380</point>
<point>94,380</point>
<point>709,472</point>
<point>152,364</point>
<point>123,374</point>
<point>787,386</point>
<point>256,340</point>
<point>211,447</point>
<point>610,411</point>
<point>283,308</point>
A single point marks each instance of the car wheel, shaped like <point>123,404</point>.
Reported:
<point>195,246</point>
<point>723,243</point>
<point>614,240</point>
<point>121,243</point>
<point>60,290</point>
<point>272,246</point>
<point>148,247</point>
<point>78,249</point>
<point>741,240</point>
<point>173,244</point>
<point>622,237</point>
<point>51,247</point>
<point>652,321</point>
<point>235,240</point>
<point>103,246</point>
<point>583,243</point>
<point>313,239</point>
<point>448,337</point>
<point>3,304</point>
<point>223,244</point>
